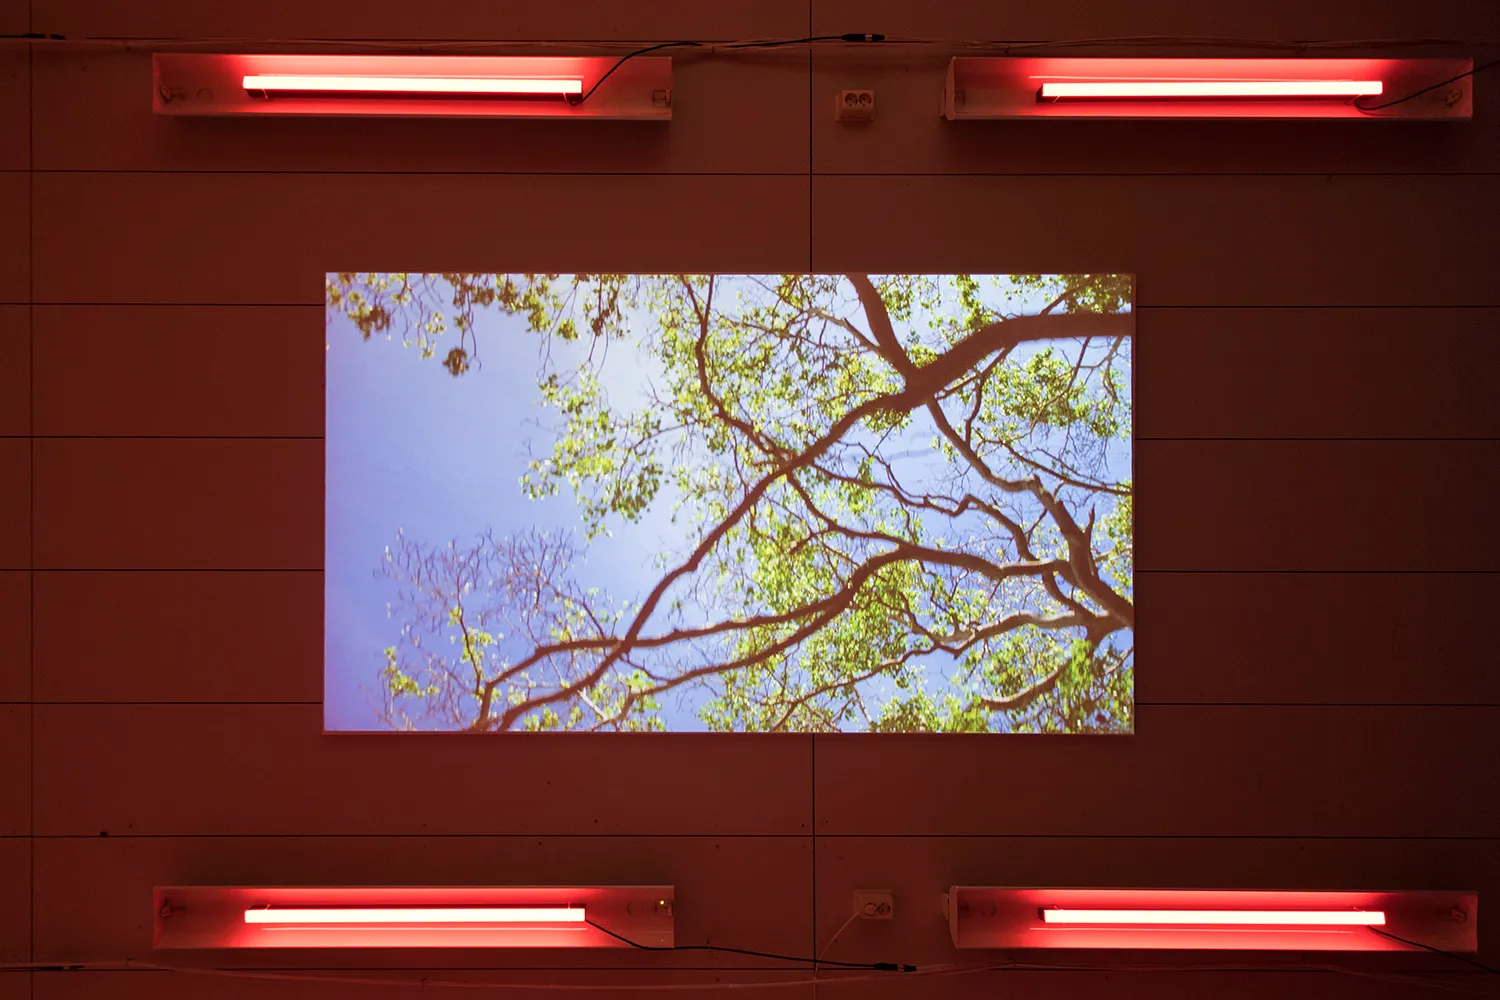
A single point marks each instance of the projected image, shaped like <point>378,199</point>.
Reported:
<point>730,503</point>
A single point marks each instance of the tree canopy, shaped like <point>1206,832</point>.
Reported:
<point>906,484</point>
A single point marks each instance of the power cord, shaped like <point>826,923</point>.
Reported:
<point>1426,90</point>
<point>575,101</point>
<point>877,966</point>
<point>842,928</point>
<point>850,37</point>
<point>1450,954</point>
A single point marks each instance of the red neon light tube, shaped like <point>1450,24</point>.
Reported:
<point>271,84</point>
<point>1221,918</point>
<point>289,915</point>
<point>1238,89</point>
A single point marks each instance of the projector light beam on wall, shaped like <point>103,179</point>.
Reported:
<point>195,84</point>
<point>1004,87</point>
<point>1229,920</point>
<point>412,916</point>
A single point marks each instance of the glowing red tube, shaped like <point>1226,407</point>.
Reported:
<point>1222,918</point>
<point>1237,89</point>
<point>456,86</point>
<point>291,915</point>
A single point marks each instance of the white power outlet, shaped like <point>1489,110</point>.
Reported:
<point>874,904</point>
<point>855,106</point>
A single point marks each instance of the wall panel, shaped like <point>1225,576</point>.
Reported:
<point>16,775</point>
<point>1191,241</point>
<point>15,370</point>
<point>1313,505</point>
<point>15,105</point>
<point>180,637</point>
<point>1313,638</point>
<point>729,115</point>
<point>15,503</point>
<point>1251,771</point>
<point>195,371</point>
<point>15,900</point>
<point>267,769</point>
<point>147,503</point>
<point>270,238</point>
<point>15,239</point>
<point>15,625</point>
<point>94,894</point>
<point>1310,373</point>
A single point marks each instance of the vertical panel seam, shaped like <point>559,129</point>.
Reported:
<point>812,755</point>
<point>31,498</point>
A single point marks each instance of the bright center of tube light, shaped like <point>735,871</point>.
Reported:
<point>1211,88</point>
<point>1238,918</point>
<point>411,915</point>
<point>290,83</point>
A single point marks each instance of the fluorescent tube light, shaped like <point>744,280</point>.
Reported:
<point>414,915</point>
<point>1238,89</point>
<point>1223,918</point>
<point>455,86</point>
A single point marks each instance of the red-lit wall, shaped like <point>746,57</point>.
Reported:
<point>1319,696</point>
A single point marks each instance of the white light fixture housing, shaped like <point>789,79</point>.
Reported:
<point>1219,919</point>
<point>412,916</point>
<point>198,84</point>
<point>1049,87</point>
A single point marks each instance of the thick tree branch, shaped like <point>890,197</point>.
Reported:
<point>1025,696</point>
<point>881,328</point>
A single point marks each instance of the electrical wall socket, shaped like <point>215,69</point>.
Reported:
<point>874,904</point>
<point>855,106</point>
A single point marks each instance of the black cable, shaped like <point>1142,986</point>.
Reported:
<point>1440,951</point>
<point>877,966</point>
<point>849,37</point>
<point>1426,90</point>
<point>852,36</point>
<point>623,60</point>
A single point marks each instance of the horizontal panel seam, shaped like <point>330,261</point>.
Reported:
<point>1195,306</point>
<point>1228,439</point>
<point>807,836</point>
<point>1307,174</point>
<point>1139,570</point>
<point>1138,307</point>
<point>1139,703</point>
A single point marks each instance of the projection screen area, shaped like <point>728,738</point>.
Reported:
<point>731,503</point>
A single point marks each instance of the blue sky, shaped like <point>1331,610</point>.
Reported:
<point>411,448</point>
